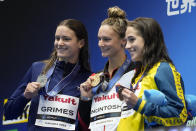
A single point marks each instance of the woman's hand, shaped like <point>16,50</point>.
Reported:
<point>32,90</point>
<point>129,97</point>
<point>86,88</point>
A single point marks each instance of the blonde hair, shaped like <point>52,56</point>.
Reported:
<point>116,19</point>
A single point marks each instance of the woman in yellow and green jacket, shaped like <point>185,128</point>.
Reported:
<point>154,70</point>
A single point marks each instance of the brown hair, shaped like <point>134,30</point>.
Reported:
<point>81,33</point>
<point>154,46</point>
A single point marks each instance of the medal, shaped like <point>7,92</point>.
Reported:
<point>104,85</point>
<point>120,89</point>
<point>42,79</point>
<point>96,79</point>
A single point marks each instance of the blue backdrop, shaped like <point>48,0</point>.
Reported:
<point>27,30</point>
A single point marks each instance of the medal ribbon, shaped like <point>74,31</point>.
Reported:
<point>133,90</point>
<point>135,87</point>
<point>64,82</point>
<point>115,78</point>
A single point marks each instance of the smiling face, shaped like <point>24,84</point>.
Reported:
<point>109,41</point>
<point>67,45</point>
<point>135,44</point>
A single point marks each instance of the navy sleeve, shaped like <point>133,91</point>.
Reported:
<point>17,102</point>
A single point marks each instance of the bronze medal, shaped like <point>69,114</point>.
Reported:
<point>42,79</point>
<point>120,89</point>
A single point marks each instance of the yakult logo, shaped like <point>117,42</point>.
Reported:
<point>106,97</point>
<point>60,99</point>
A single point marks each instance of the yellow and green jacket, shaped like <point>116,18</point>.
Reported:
<point>163,77</point>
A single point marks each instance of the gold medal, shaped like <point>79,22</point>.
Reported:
<point>42,79</point>
<point>96,79</point>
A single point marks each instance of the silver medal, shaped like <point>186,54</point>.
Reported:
<point>104,85</point>
<point>42,79</point>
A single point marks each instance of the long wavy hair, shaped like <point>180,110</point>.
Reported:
<point>81,33</point>
<point>154,46</point>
